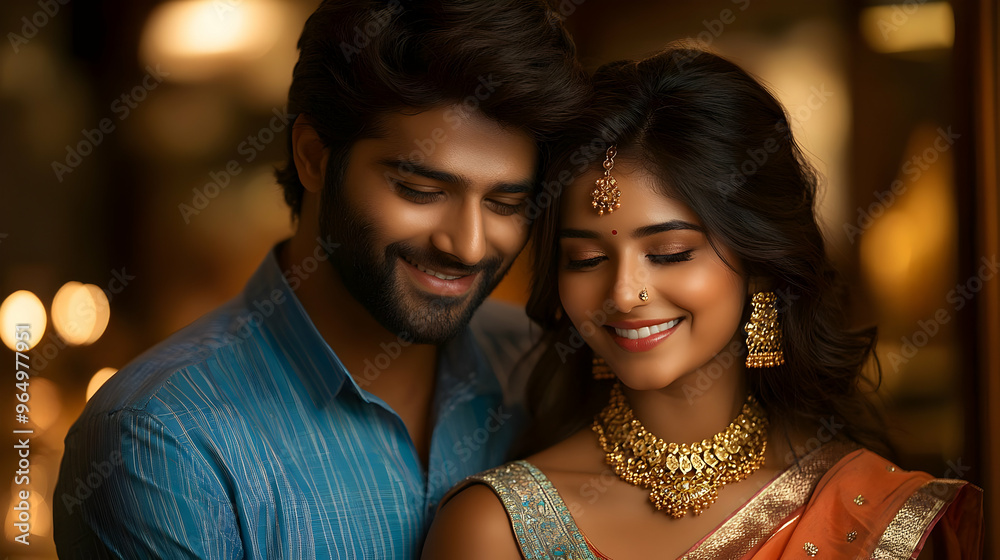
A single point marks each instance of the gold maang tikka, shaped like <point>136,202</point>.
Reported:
<point>606,193</point>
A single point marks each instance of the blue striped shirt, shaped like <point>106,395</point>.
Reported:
<point>243,436</point>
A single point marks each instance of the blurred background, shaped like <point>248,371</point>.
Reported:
<point>140,138</point>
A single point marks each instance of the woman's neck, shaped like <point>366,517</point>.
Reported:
<point>697,405</point>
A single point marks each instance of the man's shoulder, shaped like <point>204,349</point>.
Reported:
<point>195,352</point>
<point>497,320</point>
<point>506,336</point>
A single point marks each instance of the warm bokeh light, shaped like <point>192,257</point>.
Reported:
<point>911,233</point>
<point>22,308</point>
<point>80,313</point>
<point>98,380</point>
<point>900,28</point>
<point>40,523</point>
<point>46,404</point>
<point>193,39</point>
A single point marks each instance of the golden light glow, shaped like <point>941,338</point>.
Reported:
<point>904,253</point>
<point>80,313</point>
<point>908,27</point>
<point>45,403</point>
<point>22,308</point>
<point>40,516</point>
<point>193,39</point>
<point>98,380</point>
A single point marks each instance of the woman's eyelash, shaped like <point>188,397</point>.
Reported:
<point>671,258</point>
<point>656,259</point>
<point>584,263</point>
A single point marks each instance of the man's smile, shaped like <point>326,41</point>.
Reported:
<point>445,283</point>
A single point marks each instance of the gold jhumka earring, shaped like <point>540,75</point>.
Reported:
<point>606,192</point>
<point>764,348</point>
<point>601,370</point>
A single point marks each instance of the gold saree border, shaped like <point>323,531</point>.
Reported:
<point>539,518</point>
<point>754,523</point>
<point>914,519</point>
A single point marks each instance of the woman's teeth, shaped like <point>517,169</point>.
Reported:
<point>635,334</point>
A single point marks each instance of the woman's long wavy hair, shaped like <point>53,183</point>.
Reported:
<point>720,143</point>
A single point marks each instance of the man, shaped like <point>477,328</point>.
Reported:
<point>324,412</point>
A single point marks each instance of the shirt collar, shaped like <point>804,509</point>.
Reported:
<point>463,370</point>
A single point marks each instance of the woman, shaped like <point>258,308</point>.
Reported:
<point>715,410</point>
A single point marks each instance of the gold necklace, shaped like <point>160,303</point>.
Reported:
<point>681,477</point>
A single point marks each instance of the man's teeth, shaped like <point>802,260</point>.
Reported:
<point>426,270</point>
<point>644,332</point>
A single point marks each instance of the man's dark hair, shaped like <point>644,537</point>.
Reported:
<point>361,59</point>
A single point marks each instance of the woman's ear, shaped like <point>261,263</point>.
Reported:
<point>759,284</point>
<point>309,154</point>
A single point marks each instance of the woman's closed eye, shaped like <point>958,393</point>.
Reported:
<point>584,262</point>
<point>670,258</point>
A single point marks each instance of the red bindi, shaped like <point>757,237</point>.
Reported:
<point>614,232</point>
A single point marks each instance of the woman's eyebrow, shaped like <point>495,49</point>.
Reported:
<point>672,225</point>
<point>644,231</point>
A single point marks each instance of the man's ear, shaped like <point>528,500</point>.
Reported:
<point>309,154</point>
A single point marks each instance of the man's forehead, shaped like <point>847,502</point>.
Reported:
<point>455,140</point>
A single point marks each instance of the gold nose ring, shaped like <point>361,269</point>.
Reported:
<point>643,295</point>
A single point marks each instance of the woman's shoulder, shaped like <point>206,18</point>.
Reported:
<point>863,494</point>
<point>471,523</point>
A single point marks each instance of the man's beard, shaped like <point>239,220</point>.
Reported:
<point>372,278</point>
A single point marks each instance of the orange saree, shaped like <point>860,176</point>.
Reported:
<point>846,502</point>
<point>839,501</point>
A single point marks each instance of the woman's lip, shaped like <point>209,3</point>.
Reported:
<point>640,344</point>
<point>639,324</point>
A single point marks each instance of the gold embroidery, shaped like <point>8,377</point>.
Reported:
<point>810,549</point>
<point>542,524</point>
<point>851,536</point>
<point>860,500</point>
<point>751,525</point>
<point>914,519</point>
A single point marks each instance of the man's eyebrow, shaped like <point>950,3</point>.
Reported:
<point>672,225</point>
<point>415,168</point>
<point>410,167</point>
<point>526,186</point>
